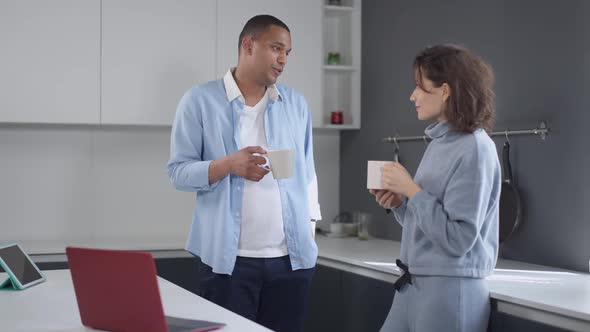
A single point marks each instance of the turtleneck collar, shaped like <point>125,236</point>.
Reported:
<point>437,129</point>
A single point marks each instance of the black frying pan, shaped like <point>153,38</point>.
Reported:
<point>510,208</point>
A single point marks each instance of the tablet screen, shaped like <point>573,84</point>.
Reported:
<point>22,268</point>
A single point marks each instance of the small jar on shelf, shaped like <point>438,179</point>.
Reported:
<point>337,117</point>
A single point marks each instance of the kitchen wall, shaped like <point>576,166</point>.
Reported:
<point>107,186</point>
<point>540,51</point>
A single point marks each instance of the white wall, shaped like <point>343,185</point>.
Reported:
<point>107,187</point>
<point>90,184</point>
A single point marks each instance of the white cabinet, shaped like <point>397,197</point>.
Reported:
<point>304,18</point>
<point>49,61</point>
<point>152,52</point>
<point>129,62</point>
<point>342,76</point>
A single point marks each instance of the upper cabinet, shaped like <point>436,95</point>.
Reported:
<point>49,61</point>
<point>129,62</point>
<point>152,53</point>
<point>303,71</point>
<point>342,64</point>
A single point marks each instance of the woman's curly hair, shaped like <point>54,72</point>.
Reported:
<point>471,104</point>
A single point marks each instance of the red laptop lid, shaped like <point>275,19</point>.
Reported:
<point>117,290</point>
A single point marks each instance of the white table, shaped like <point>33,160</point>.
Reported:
<point>548,295</point>
<point>51,306</point>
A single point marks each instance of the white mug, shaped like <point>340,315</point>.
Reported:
<point>280,162</point>
<point>374,173</point>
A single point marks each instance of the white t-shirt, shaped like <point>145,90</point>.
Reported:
<point>261,233</point>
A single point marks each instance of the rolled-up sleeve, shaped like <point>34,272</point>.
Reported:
<point>312,182</point>
<point>186,168</point>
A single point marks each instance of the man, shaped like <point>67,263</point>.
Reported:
<point>252,232</point>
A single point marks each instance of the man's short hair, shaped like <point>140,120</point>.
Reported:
<point>257,25</point>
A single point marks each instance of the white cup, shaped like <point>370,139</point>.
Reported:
<point>280,162</point>
<point>374,173</point>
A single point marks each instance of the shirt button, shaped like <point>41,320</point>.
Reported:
<point>239,188</point>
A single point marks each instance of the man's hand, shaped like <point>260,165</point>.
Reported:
<point>247,165</point>
<point>386,198</point>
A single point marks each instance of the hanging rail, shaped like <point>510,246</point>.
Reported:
<point>542,130</point>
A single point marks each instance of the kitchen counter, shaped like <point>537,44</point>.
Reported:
<point>545,294</point>
<point>548,295</point>
<point>52,306</point>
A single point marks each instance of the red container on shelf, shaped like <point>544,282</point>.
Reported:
<point>336,117</point>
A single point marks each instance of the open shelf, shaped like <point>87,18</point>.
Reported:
<point>338,9</point>
<point>342,35</point>
<point>340,68</point>
<point>338,126</point>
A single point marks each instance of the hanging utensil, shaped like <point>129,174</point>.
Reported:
<point>395,150</point>
<point>510,205</point>
<point>395,158</point>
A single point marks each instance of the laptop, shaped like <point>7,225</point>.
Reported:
<point>118,290</point>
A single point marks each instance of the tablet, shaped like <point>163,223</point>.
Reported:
<point>21,270</point>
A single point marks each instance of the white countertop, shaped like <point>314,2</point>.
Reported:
<point>540,290</point>
<point>557,291</point>
<point>51,306</point>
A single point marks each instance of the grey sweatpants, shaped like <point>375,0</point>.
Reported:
<point>433,303</point>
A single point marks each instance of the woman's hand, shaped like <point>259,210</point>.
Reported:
<point>395,178</point>
<point>386,198</point>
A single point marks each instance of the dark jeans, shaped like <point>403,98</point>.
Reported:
<point>264,290</point>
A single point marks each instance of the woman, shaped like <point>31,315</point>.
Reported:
<point>449,211</point>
